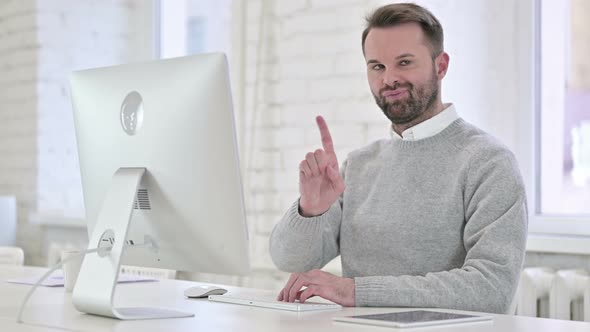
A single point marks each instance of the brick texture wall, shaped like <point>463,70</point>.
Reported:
<point>41,42</point>
<point>18,112</point>
<point>303,58</point>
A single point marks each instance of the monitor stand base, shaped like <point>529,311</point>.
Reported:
<point>94,291</point>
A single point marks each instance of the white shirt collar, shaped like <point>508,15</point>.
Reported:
<point>430,127</point>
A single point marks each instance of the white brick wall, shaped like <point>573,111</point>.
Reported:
<point>73,36</point>
<point>41,42</point>
<point>18,112</point>
<point>312,64</point>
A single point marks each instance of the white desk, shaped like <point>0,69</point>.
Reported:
<point>50,309</point>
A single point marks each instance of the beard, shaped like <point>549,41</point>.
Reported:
<point>419,100</point>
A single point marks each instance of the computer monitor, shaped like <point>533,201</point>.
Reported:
<point>160,175</point>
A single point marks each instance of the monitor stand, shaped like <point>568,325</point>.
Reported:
<point>94,291</point>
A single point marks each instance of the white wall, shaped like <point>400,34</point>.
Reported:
<point>75,35</point>
<point>305,61</point>
<point>309,61</point>
<point>40,43</point>
<point>18,111</point>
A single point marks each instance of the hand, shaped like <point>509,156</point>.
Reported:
<point>320,183</point>
<point>319,283</point>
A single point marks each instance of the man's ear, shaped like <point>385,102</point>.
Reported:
<point>442,65</point>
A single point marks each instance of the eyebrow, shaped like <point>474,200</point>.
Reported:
<point>405,55</point>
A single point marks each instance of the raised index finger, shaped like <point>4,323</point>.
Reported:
<point>325,134</point>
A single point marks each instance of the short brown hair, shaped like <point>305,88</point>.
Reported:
<point>400,13</point>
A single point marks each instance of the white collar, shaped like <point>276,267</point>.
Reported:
<point>430,127</point>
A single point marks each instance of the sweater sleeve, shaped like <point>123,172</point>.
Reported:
<point>494,238</point>
<point>300,244</point>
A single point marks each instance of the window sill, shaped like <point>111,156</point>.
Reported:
<point>548,235</point>
<point>558,244</point>
<point>559,234</point>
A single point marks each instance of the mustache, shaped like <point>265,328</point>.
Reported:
<point>408,86</point>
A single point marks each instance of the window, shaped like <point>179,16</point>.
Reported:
<point>555,149</point>
<point>194,26</point>
<point>185,27</point>
<point>564,109</point>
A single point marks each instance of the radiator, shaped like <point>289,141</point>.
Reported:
<point>561,294</point>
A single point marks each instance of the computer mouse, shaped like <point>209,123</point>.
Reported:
<point>204,291</point>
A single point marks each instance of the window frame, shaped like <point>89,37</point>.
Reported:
<point>167,23</point>
<point>547,233</point>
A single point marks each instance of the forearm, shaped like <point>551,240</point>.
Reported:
<point>468,288</point>
<point>299,244</point>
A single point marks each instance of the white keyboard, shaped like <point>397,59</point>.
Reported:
<point>274,304</point>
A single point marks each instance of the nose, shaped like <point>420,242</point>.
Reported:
<point>390,77</point>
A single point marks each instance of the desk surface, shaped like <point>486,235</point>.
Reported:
<point>50,309</point>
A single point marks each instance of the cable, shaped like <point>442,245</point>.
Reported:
<point>48,273</point>
<point>148,242</point>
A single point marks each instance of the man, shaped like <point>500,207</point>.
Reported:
<point>434,217</point>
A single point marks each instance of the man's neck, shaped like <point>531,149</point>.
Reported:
<point>435,109</point>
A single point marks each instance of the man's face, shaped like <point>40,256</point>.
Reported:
<point>403,77</point>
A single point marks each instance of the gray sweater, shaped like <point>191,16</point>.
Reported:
<point>438,222</point>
